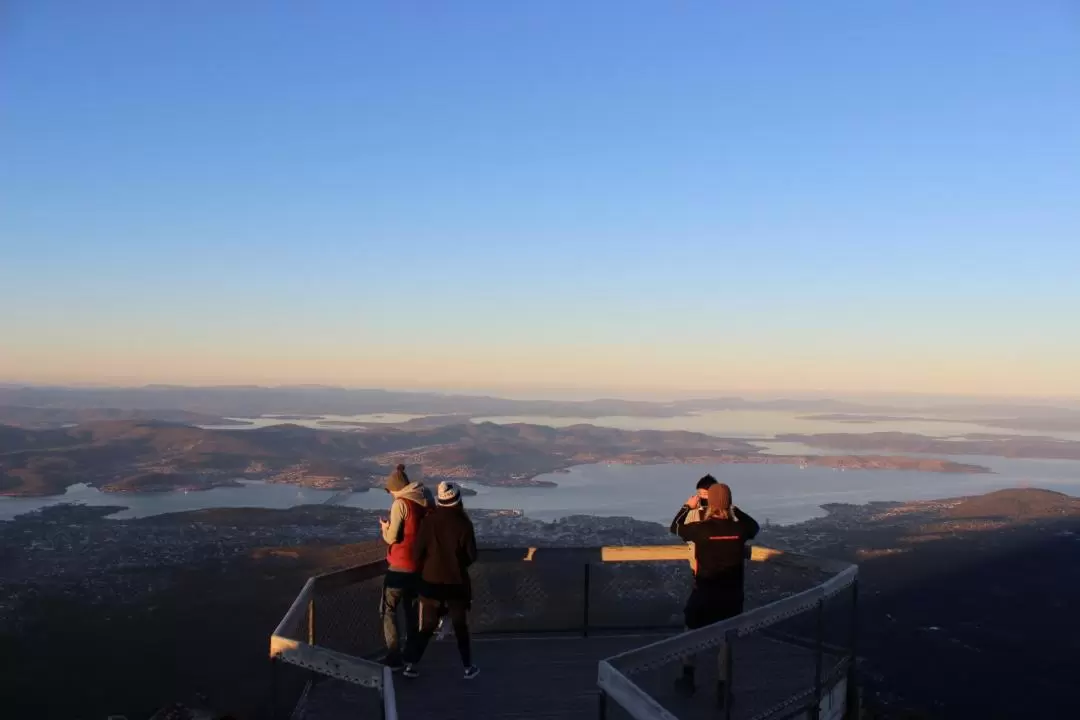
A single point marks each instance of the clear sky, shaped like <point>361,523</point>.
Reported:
<point>629,194</point>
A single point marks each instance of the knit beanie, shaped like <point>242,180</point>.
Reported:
<point>398,480</point>
<point>449,494</point>
<point>720,498</point>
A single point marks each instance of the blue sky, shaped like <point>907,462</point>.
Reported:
<point>641,195</point>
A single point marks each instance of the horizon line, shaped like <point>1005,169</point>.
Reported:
<point>595,393</point>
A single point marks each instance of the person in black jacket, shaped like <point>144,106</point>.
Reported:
<point>445,549</point>
<point>719,551</point>
<point>694,514</point>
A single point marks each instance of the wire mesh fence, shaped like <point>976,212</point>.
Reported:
<point>777,667</point>
<point>349,619</point>
<point>295,625</point>
<point>511,597</point>
<point>782,667</point>
<point>535,597</point>
<point>634,595</point>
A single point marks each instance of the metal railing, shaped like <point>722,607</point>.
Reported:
<point>324,634</point>
<point>333,628</point>
<point>816,628</point>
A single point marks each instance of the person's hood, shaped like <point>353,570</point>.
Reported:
<point>416,492</point>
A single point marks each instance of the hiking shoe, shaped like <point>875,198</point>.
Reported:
<point>411,671</point>
<point>471,672</point>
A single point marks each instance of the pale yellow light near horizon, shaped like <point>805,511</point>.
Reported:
<point>632,368</point>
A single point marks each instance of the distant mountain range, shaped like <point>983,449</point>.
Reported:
<point>253,401</point>
<point>53,417</point>
<point>1009,446</point>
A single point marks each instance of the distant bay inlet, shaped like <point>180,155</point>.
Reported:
<point>782,493</point>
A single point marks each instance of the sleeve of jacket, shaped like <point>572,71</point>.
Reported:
<point>394,530</point>
<point>748,525</point>
<point>469,544</point>
<point>689,531</point>
<point>680,518</point>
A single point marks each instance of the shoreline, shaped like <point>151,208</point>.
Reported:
<point>870,511</point>
<point>828,512</point>
<point>836,462</point>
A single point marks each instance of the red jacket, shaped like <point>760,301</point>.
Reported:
<point>401,555</point>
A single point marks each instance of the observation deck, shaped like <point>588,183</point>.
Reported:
<point>580,633</point>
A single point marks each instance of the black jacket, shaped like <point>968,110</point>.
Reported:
<point>445,549</point>
<point>720,548</point>
<point>684,513</point>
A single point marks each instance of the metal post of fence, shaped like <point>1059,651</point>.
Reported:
<point>852,686</point>
<point>819,658</point>
<point>602,706</point>
<point>275,701</point>
<point>729,670</point>
<point>585,605</point>
<point>312,676</point>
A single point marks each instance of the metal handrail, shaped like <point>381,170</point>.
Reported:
<point>638,703</point>
<point>712,636</point>
<point>612,674</point>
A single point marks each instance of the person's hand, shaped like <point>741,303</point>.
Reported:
<point>383,524</point>
<point>693,502</point>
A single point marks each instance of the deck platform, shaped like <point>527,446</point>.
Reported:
<point>554,677</point>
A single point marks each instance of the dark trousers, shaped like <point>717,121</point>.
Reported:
<point>708,605</point>
<point>399,598</point>
<point>430,612</point>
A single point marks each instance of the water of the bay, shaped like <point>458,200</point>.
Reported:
<point>317,422</point>
<point>781,493</point>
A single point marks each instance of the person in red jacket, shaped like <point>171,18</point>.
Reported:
<point>411,503</point>
<point>720,551</point>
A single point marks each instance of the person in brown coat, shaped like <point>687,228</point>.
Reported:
<point>445,549</point>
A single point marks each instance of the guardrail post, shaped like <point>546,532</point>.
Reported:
<point>585,605</point>
<point>275,701</point>
<point>729,670</point>
<point>388,696</point>
<point>313,676</point>
<point>819,658</point>
<point>852,702</point>
<point>602,705</point>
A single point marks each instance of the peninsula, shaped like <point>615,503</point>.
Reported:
<point>129,456</point>
<point>1008,446</point>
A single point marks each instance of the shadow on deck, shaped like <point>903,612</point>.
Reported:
<point>544,677</point>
